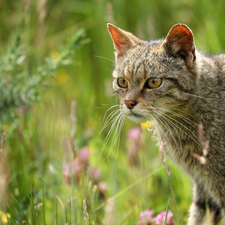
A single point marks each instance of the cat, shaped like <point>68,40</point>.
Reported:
<point>176,86</point>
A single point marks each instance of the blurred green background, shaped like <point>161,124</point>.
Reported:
<point>38,131</point>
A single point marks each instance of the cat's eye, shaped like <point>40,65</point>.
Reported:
<point>153,83</point>
<point>122,82</point>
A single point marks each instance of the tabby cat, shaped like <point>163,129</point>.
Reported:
<point>173,84</point>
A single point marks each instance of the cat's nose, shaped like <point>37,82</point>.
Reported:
<point>130,103</point>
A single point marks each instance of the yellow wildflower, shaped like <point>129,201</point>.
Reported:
<point>61,77</point>
<point>55,55</point>
<point>4,217</point>
<point>5,127</point>
<point>146,124</point>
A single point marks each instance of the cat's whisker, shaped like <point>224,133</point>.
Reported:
<point>109,104</point>
<point>114,105</point>
<point>118,144</point>
<point>102,57</point>
<point>197,96</point>
<point>165,136</point>
<point>106,120</point>
<point>171,132</point>
<point>109,120</point>
<point>180,116</point>
<point>151,118</point>
<point>108,110</point>
<point>111,129</point>
<point>195,138</point>
<point>110,116</point>
<point>169,118</point>
<point>114,139</point>
<point>183,126</point>
<point>109,134</point>
<point>103,105</point>
<point>182,111</point>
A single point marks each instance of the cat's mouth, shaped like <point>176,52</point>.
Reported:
<point>136,117</point>
<point>135,114</point>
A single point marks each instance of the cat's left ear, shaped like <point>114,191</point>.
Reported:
<point>179,42</point>
<point>122,40</point>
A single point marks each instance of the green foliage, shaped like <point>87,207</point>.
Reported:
<point>20,85</point>
<point>41,73</point>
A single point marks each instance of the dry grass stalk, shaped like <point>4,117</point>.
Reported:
<point>4,173</point>
<point>86,216</point>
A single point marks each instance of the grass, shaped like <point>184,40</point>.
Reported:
<point>36,189</point>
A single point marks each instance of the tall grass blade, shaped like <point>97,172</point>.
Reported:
<point>56,210</point>
<point>12,214</point>
<point>20,208</point>
<point>43,202</point>
<point>167,207</point>
<point>34,213</point>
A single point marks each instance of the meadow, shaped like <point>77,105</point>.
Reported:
<point>57,163</point>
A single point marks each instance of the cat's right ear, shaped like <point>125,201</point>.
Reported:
<point>179,42</point>
<point>122,40</point>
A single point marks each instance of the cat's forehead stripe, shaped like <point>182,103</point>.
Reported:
<point>135,70</point>
<point>126,71</point>
<point>140,70</point>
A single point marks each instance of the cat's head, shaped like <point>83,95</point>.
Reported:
<point>151,75</point>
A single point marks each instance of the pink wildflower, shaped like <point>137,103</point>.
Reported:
<point>205,152</point>
<point>160,218</point>
<point>154,138</point>
<point>134,134</point>
<point>168,170</point>
<point>162,144</point>
<point>201,159</point>
<point>95,174</point>
<point>83,156</point>
<point>134,141</point>
<point>102,186</point>
<point>72,169</point>
<point>151,128</point>
<point>146,217</point>
<point>206,149</point>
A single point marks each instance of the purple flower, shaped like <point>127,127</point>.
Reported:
<point>134,134</point>
<point>160,218</point>
<point>146,217</point>
<point>83,156</point>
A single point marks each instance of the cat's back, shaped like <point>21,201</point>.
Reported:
<point>211,77</point>
<point>210,89</point>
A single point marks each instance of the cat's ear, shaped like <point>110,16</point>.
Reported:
<point>122,40</point>
<point>179,42</point>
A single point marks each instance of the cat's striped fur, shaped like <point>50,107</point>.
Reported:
<point>191,92</point>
